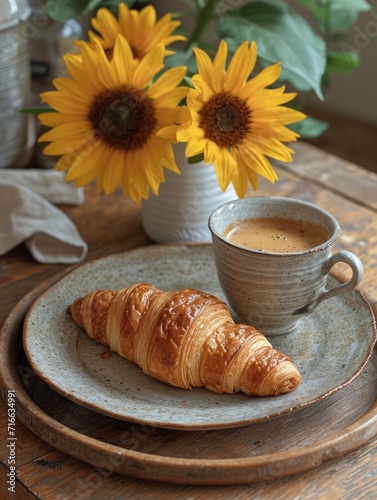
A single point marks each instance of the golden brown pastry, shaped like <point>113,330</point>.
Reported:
<point>185,338</point>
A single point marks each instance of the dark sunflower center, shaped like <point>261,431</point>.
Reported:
<point>225,119</point>
<point>123,118</point>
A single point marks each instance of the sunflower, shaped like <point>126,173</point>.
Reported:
<point>107,116</point>
<point>138,27</point>
<point>236,122</point>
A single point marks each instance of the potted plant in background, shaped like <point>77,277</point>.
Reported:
<point>128,99</point>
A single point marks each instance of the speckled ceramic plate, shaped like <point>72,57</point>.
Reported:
<point>330,348</point>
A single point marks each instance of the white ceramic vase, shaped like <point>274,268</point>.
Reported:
<point>181,210</point>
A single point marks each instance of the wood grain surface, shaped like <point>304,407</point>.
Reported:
<point>112,224</point>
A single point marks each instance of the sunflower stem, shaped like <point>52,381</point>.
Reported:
<point>203,16</point>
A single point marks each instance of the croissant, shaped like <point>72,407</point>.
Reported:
<point>185,338</point>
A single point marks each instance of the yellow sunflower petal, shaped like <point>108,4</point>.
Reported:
<point>263,99</point>
<point>219,65</point>
<point>165,154</point>
<point>153,182</point>
<point>185,114</point>
<point>211,150</point>
<point>149,66</point>
<point>253,178</point>
<point>240,179</point>
<point>205,70</point>
<point>173,38</point>
<point>195,146</point>
<point>167,116</point>
<point>168,81</point>
<point>75,68</point>
<point>65,103</point>
<point>132,193</point>
<point>89,64</point>
<point>265,78</point>
<point>278,114</point>
<point>188,131</point>
<point>67,130</point>
<point>161,32</point>
<point>106,24</point>
<point>85,179</point>
<point>124,20</point>
<point>87,165</point>
<point>274,149</point>
<point>275,131</point>
<point>143,32</point>
<point>140,180</point>
<point>70,86</point>
<point>216,68</point>
<point>122,60</point>
<point>201,91</point>
<point>66,145</point>
<point>256,161</point>
<point>52,119</point>
<point>240,67</point>
<point>148,16</point>
<point>169,132</point>
<point>95,39</point>
<point>106,69</point>
<point>128,166</point>
<point>163,28</point>
<point>65,162</point>
<point>113,171</point>
<point>173,98</point>
<point>224,165</point>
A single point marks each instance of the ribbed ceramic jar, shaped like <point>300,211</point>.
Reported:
<point>181,210</point>
<point>15,127</point>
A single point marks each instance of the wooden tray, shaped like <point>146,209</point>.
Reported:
<point>282,446</point>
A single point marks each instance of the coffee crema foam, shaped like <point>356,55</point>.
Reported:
<point>275,234</point>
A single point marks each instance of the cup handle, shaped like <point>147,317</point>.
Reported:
<point>354,263</point>
<point>357,273</point>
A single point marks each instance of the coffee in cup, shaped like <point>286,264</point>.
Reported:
<point>275,234</point>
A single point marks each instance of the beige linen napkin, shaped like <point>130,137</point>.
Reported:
<point>28,215</point>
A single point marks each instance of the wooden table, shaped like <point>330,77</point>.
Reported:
<point>113,224</point>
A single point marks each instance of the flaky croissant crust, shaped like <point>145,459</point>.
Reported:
<point>186,338</point>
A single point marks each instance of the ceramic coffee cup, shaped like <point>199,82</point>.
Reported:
<point>272,290</point>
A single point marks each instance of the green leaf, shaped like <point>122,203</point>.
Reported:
<point>336,16</point>
<point>282,35</point>
<point>72,9</point>
<point>112,5</point>
<point>310,127</point>
<point>181,58</point>
<point>195,159</point>
<point>340,62</point>
<point>351,5</point>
